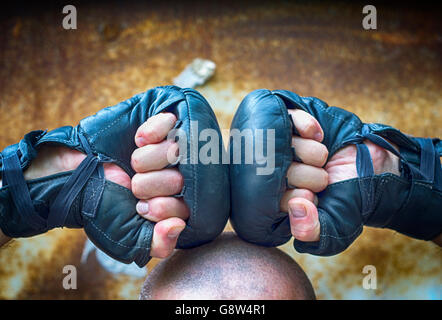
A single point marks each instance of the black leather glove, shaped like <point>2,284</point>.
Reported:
<point>83,198</point>
<point>410,203</point>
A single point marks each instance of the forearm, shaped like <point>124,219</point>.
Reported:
<point>50,161</point>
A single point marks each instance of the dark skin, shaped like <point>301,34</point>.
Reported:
<point>228,268</point>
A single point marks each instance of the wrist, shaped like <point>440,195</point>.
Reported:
<point>52,160</point>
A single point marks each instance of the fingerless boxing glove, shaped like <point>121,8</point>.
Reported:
<point>83,198</point>
<point>410,203</point>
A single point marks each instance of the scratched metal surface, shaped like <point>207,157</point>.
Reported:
<point>50,77</point>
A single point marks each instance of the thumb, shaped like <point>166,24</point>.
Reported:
<point>304,222</point>
<point>165,236</point>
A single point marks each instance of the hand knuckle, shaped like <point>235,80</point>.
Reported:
<point>135,160</point>
<point>323,154</point>
<point>324,178</point>
<point>136,184</point>
<point>171,116</point>
<point>291,202</point>
<point>177,181</point>
<point>311,153</point>
<point>152,134</point>
<point>292,169</point>
<point>142,130</point>
<point>160,207</point>
<point>309,125</point>
<point>307,194</point>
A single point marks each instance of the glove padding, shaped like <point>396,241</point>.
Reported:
<point>83,198</point>
<point>409,204</point>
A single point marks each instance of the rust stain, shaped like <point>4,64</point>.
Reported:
<point>50,77</point>
<point>398,260</point>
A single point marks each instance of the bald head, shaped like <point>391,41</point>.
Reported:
<point>227,268</point>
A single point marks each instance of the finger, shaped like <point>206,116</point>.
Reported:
<point>165,236</point>
<point>304,176</point>
<point>304,221</point>
<point>155,129</point>
<point>161,183</point>
<point>154,156</point>
<point>161,208</point>
<point>310,151</point>
<point>307,126</point>
<point>296,193</point>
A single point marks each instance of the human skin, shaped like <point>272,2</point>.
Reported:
<point>154,185</point>
<point>308,177</point>
<point>302,210</point>
<point>228,268</point>
<point>53,159</point>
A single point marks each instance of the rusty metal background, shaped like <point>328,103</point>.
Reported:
<point>51,77</point>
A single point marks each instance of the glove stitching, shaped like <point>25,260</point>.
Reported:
<point>387,175</point>
<point>286,164</point>
<point>89,199</point>
<point>62,141</point>
<point>194,173</point>
<point>328,111</point>
<point>363,190</point>
<point>146,253</point>
<point>115,185</point>
<point>75,208</point>
<point>377,197</point>
<point>426,185</point>
<point>115,121</point>
<point>109,238</point>
<point>408,202</point>
<point>322,226</point>
<point>108,126</point>
<point>358,228</point>
<point>333,185</point>
<point>148,234</point>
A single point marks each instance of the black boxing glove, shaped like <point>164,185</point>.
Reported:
<point>83,198</point>
<point>410,203</point>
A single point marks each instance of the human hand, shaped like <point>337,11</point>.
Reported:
<point>309,177</point>
<point>56,159</point>
<point>154,184</point>
<point>148,184</point>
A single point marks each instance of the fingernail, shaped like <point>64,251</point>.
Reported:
<point>298,211</point>
<point>318,136</point>
<point>140,141</point>
<point>142,207</point>
<point>174,232</point>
